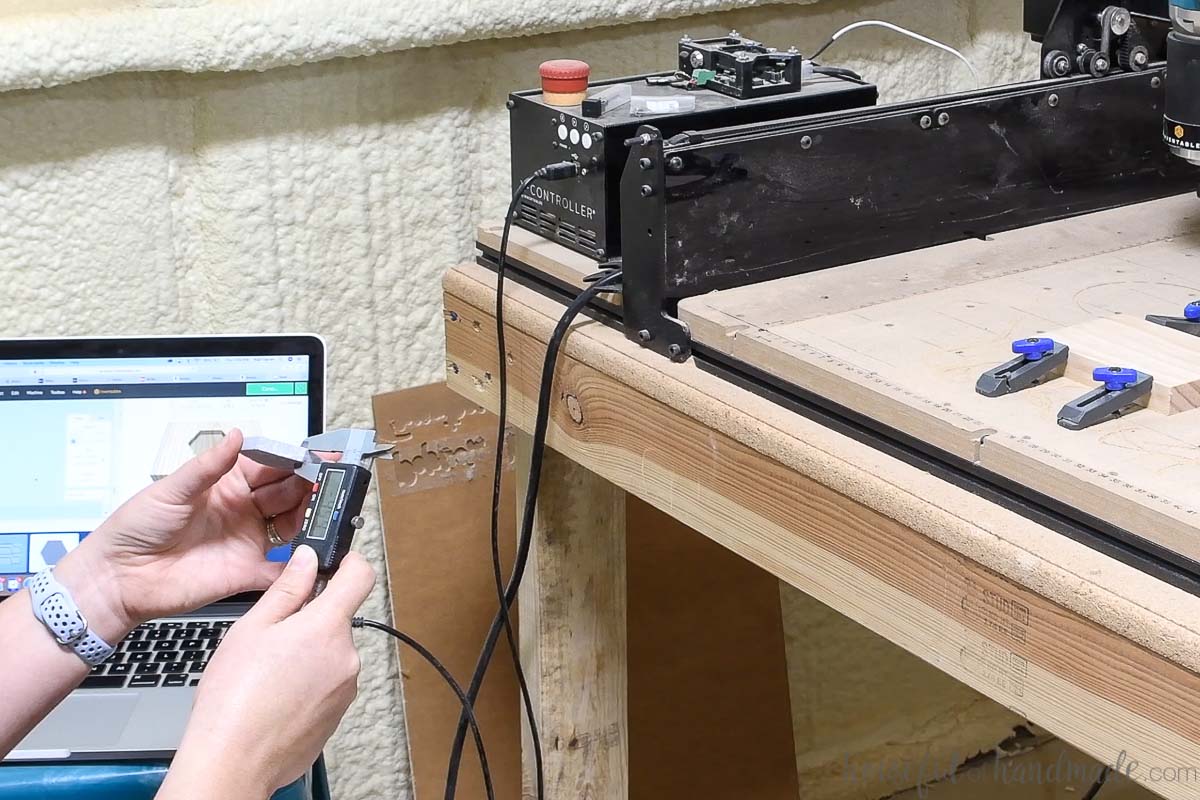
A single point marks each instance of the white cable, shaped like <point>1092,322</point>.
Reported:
<point>878,23</point>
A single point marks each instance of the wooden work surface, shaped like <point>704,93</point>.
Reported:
<point>902,339</point>
<point>1093,650</point>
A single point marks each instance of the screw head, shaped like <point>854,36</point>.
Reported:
<point>926,122</point>
<point>1141,58</point>
<point>1052,101</point>
<point>734,34</point>
<point>675,163</point>
<point>806,142</point>
<point>1033,348</point>
<point>645,163</point>
<point>943,119</point>
<point>697,59</point>
<point>674,350</point>
<point>1115,378</point>
<point>510,105</point>
<point>1155,82</point>
<point>644,335</point>
<point>574,409</point>
<point>600,252</point>
<point>647,190</point>
<point>1100,64</point>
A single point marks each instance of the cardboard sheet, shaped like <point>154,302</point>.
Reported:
<point>435,499</point>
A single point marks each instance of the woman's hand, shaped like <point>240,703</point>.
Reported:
<point>277,687</point>
<point>194,537</point>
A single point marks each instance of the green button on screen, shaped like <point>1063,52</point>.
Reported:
<point>270,388</point>
<point>301,387</point>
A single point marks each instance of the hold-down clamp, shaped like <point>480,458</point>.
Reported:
<point>1124,390</point>
<point>1038,360</point>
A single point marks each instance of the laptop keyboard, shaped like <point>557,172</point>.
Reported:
<point>164,653</point>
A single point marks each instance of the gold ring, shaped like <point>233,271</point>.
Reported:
<point>273,533</point>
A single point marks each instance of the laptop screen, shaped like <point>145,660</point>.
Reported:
<point>82,435</point>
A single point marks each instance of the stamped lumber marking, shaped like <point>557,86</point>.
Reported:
<point>1003,669</point>
<point>995,611</point>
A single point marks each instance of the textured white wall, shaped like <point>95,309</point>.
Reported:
<point>331,197</point>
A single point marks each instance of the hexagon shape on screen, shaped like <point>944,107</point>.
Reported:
<point>53,550</point>
<point>204,440</point>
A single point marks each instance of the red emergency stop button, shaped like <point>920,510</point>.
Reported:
<point>564,81</point>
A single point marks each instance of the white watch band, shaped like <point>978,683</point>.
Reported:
<point>55,608</point>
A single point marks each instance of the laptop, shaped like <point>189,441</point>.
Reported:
<point>94,422</point>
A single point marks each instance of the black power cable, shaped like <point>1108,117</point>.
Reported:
<point>1098,785</point>
<point>506,595</point>
<point>497,480</point>
<point>525,539</point>
<point>423,652</point>
<point>839,72</point>
<point>537,453</point>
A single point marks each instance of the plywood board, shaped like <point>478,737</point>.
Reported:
<point>888,340</point>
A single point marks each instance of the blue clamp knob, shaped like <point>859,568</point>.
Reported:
<point>1033,348</point>
<point>1114,378</point>
<point>1192,311</point>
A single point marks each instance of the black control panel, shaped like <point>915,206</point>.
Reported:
<point>583,213</point>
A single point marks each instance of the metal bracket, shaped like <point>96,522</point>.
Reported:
<point>644,250</point>
<point>1124,390</point>
<point>1038,361</point>
<point>1188,323</point>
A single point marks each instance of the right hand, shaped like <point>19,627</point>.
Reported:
<point>277,686</point>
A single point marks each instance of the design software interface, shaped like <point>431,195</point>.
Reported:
<point>84,435</point>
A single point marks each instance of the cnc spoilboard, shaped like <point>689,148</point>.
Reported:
<point>902,339</point>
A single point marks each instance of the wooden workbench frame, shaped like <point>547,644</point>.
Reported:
<point>1092,650</point>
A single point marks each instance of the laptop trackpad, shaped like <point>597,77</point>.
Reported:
<point>83,722</point>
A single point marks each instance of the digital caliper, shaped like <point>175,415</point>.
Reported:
<point>339,487</point>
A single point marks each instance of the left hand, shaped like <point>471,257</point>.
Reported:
<point>194,537</point>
